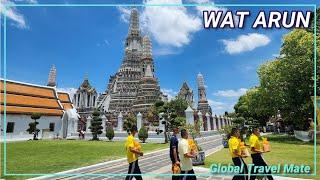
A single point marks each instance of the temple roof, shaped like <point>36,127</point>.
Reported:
<point>65,100</point>
<point>23,98</point>
<point>185,86</point>
<point>86,85</point>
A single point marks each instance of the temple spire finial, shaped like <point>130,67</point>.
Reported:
<point>134,22</point>
<point>86,76</point>
<point>52,76</point>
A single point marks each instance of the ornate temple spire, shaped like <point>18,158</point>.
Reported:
<point>52,76</point>
<point>149,72</point>
<point>203,105</point>
<point>134,40</point>
<point>85,83</point>
<point>146,47</point>
<point>134,23</point>
<point>200,80</point>
<point>201,88</point>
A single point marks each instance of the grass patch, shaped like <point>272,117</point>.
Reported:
<point>284,150</point>
<point>50,156</point>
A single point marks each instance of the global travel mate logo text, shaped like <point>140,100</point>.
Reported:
<point>274,169</point>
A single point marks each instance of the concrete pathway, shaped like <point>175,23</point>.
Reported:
<point>156,162</point>
<point>149,163</point>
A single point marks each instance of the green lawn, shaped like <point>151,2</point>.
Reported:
<point>284,150</point>
<point>49,156</point>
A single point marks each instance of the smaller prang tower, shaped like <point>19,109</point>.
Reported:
<point>186,94</point>
<point>203,104</point>
<point>52,77</point>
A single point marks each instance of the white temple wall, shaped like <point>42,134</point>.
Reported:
<point>21,124</point>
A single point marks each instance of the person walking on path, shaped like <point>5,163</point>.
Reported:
<point>174,154</point>
<point>132,155</point>
<point>186,156</point>
<point>235,153</point>
<point>256,153</point>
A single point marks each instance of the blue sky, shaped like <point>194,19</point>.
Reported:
<point>89,40</point>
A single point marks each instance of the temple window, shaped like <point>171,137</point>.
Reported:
<point>51,126</point>
<point>10,127</point>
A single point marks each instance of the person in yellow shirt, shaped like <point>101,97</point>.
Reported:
<point>132,155</point>
<point>235,153</point>
<point>256,153</point>
<point>185,156</point>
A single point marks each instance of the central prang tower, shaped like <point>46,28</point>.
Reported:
<point>134,88</point>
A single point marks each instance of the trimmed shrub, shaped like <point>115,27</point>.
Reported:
<point>143,134</point>
<point>110,133</point>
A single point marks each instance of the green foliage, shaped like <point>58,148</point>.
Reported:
<point>286,84</point>
<point>130,120</point>
<point>35,116</point>
<point>110,133</point>
<point>96,125</point>
<point>225,130</point>
<point>47,155</point>
<point>33,125</point>
<point>143,134</point>
<point>193,129</point>
<point>172,112</point>
<point>239,121</point>
<point>159,103</point>
<point>178,122</point>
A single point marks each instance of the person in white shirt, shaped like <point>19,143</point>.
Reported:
<point>186,155</point>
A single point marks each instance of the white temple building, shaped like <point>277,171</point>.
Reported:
<point>19,100</point>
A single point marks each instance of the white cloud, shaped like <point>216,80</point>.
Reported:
<point>103,43</point>
<point>219,108</point>
<point>231,93</point>
<point>169,25</point>
<point>170,93</point>
<point>125,14</point>
<point>27,1</point>
<point>165,51</point>
<point>216,105</point>
<point>12,14</point>
<point>207,5</point>
<point>245,43</point>
<point>70,91</point>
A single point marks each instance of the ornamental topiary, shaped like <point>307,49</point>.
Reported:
<point>143,134</point>
<point>110,133</point>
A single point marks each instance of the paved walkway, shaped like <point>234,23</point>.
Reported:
<point>155,162</point>
<point>149,163</point>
